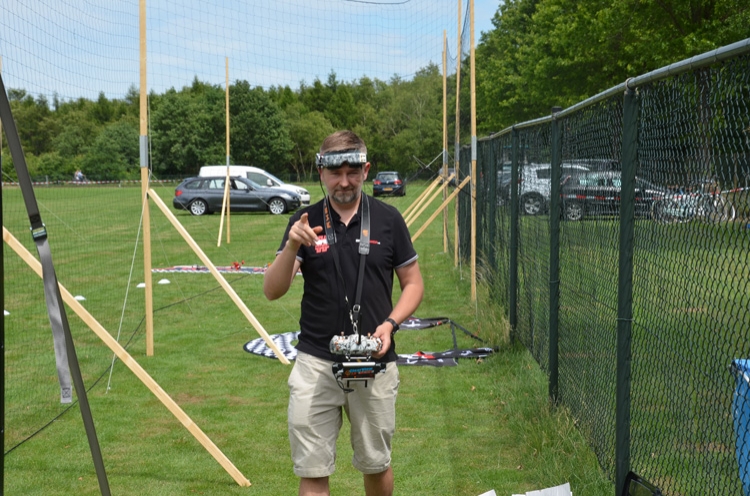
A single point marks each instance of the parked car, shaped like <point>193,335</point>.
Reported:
<point>205,195</point>
<point>536,182</point>
<point>596,164</point>
<point>257,175</point>
<point>388,183</point>
<point>597,193</point>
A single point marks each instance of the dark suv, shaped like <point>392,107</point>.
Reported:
<point>388,183</point>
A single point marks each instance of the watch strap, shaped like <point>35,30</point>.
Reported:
<point>396,327</point>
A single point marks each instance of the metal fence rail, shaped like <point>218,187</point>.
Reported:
<point>616,234</point>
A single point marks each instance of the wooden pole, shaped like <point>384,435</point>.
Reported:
<point>130,362</point>
<point>456,159</point>
<point>217,275</point>
<point>437,211</point>
<point>426,204</point>
<point>226,113</point>
<point>445,138</point>
<point>149,293</point>
<point>225,203</point>
<point>473,162</point>
<point>409,212</point>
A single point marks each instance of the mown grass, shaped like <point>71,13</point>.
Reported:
<point>461,431</point>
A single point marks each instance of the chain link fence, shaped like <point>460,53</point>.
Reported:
<point>616,235</point>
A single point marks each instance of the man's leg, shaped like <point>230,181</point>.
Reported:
<point>314,421</point>
<point>372,416</point>
<point>379,484</point>
<point>313,487</point>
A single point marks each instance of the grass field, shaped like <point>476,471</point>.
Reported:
<point>460,431</point>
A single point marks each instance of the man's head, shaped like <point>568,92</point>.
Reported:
<point>342,147</point>
<point>343,166</point>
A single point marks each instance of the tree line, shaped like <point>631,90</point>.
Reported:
<point>540,53</point>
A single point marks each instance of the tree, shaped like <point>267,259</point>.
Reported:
<point>411,121</point>
<point>558,52</point>
<point>259,132</point>
<point>114,153</point>
<point>32,117</point>
<point>307,130</point>
<point>188,129</point>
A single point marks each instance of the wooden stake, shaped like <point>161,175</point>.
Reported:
<point>438,210</point>
<point>130,362</point>
<point>418,202</point>
<point>456,158</point>
<point>423,207</point>
<point>217,275</point>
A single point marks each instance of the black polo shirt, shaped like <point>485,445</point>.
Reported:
<point>325,312</point>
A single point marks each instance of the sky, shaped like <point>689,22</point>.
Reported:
<point>79,48</point>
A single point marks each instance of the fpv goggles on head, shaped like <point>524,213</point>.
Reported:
<point>332,160</point>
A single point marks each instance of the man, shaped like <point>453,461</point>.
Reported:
<point>330,260</point>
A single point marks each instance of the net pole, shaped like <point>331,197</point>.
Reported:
<point>2,323</point>
<point>473,189</point>
<point>225,201</point>
<point>456,159</point>
<point>149,293</point>
<point>226,112</point>
<point>445,139</point>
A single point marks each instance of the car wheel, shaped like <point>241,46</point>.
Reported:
<point>198,207</point>
<point>573,211</point>
<point>277,206</point>
<point>532,204</point>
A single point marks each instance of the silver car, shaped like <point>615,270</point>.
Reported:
<point>205,195</point>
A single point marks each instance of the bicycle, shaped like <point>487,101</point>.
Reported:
<point>707,204</point>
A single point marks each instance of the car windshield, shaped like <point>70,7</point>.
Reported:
<point>387,177</point>
<point>253,184</point>
<point>274,178</point>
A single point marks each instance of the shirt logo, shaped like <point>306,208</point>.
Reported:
<point>321,245</point>
<point>372,241</point>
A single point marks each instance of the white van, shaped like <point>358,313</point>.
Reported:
<point>256,175</point>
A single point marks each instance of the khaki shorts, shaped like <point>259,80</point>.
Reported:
<point>315,417</point>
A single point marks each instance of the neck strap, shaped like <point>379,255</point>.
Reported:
<point>364,250</point>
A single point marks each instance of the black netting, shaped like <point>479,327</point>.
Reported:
<point>688,229</point>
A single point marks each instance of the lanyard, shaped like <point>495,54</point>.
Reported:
<point>364,250</point>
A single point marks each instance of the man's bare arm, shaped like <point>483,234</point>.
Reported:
<point>280,274</point>
<point>412,290</point>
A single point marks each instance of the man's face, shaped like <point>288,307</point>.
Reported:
<point>344,184</point>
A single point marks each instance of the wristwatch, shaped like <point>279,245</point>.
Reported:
<point>396,327</point>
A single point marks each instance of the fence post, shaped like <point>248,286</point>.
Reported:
<point>625,286</point>
<point>490,239</point>
<point>554,255</point>
<point>513,286</point>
